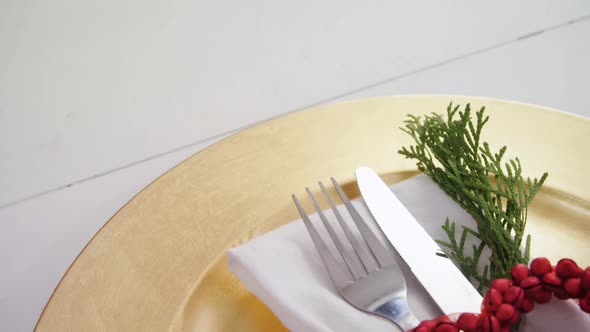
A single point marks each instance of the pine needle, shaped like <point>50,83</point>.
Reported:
<point>494,192</point>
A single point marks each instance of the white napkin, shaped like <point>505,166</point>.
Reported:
<point>283,269</point>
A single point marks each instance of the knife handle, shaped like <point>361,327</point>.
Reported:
<point>399,312</point>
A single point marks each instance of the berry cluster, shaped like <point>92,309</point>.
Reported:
<point>507,299</point>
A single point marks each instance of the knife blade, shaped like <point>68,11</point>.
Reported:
<point>447,286</point>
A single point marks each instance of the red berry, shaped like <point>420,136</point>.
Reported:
<point>490,323</point>
<point>527,305</point>
<point>585,303</point>
<point>552,279</point>
<point>519,272</point>
<point>543,296</point>
<point>506,300</point>
<point>468,322</point>
<point>561,294</point>
<point>505,312</point>
<point>429,325</point>
<point>531,285</point>
<point>567,268</point>
<point>501,284</point>
<point>514,295</point>
<point>492,300</point>
<point>540,266</point>
<point>515,318</point>
<point>573,287</point>
<point>446,327</point>
<point>585,278</point>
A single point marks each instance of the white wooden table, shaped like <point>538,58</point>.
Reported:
<point>98,99</point>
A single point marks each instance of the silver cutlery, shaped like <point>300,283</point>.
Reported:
<point>367,276</point>
<point>447,286</point>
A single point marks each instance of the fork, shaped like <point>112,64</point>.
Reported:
<point>370,280</point>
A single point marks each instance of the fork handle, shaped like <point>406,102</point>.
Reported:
<point>399,312</point>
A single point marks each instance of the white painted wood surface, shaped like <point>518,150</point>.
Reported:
<point>97,99</point>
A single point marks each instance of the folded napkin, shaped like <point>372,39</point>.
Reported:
<point>283,269</point>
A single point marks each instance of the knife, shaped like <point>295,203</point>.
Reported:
<point>447,286</point>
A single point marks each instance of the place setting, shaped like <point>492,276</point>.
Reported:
<point>402,213</point>
<point>389,261</point>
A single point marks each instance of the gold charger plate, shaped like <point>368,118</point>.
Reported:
<point>158,264</point>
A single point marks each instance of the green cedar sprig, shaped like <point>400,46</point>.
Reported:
<point>451,153</point>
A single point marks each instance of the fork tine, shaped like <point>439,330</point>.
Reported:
<point>361,253</point>
<point>339,276</point>
<point>378,250</point>
<point>353,265</point>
